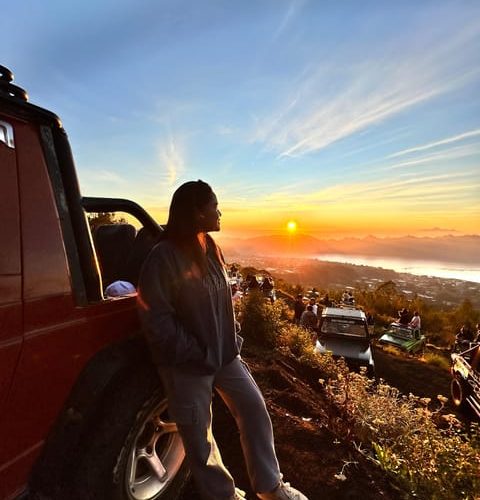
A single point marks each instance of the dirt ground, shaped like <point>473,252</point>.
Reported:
<point>310,455</point>
<point>412,375</point>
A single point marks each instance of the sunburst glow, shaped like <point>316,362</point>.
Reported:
<point>291,226</point>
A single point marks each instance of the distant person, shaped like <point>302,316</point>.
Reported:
<point>326,301</point>
<point>466,332</point>
<point>267,288</point>
<point>403,317</point>
<point>312,302</point>
<point>237,295</point>
<point>298,308</point>
<point>477,334</point>
<point>463,338</point>
<point>309,319</point>
<point>237,298</point>
<point>415,322</point>
<point>186,309</point>
<point>252,282</point>
<point>267,284</point>
<point>345,297</point>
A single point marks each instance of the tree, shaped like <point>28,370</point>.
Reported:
<point>96,219</point>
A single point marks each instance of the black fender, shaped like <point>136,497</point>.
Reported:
<point>103,374</point>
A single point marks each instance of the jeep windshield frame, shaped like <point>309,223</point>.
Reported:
<point>344,327</point>
<point>401,331</point>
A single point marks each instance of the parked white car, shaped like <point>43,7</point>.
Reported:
<point>344,333</point>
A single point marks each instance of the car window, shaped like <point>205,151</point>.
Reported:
<point>402,332</point>
<point>343,326</point>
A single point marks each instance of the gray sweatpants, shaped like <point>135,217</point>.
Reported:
<point>190,404</point>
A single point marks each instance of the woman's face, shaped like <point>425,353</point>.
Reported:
<point>209,216</point>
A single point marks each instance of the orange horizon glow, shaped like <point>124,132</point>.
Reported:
<point>337,222</point>
<point>248,223</point>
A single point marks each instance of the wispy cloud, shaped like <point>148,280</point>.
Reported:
<point>438,230</point>
<point>171,159</point>
<point>345,96</point>
<point>430,145</point>
<point>291,12</point>
<point>447,155</point>
<point>431,190</point>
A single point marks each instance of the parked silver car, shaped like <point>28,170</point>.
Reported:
<point>344,333</point>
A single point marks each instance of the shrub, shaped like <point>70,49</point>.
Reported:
<point>428,454</point>
<point>426,459</point>
<point>297,340</point>
<point>261,320</point>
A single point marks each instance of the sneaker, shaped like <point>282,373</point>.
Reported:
<point>239,494</point>
<point>283,492</point>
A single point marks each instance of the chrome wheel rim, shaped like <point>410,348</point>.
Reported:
<point>155,456</point>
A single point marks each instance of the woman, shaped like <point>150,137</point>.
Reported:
<point>186,308</point>
<point>415,322</point>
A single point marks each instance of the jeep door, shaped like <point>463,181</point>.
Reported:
<point>10,276</point>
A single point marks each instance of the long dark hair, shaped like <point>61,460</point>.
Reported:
<point>182,226</point>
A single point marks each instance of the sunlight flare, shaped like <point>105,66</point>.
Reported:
<point>291,227</point>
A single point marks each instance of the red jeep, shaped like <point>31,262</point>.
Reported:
<point>82,415</point>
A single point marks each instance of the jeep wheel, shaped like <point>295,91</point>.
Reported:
<point>458,393</point>
<point>153,454</point>
<point>132,450</point>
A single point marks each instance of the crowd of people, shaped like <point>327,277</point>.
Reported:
<point>347,298</point>
<point>413,322</point>
<point>307,309</point>
<point>241,286</point>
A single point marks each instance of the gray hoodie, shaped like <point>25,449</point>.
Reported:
<point>188,321</point>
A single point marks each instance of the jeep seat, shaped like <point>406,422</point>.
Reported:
<point>113,244</point>
<point>144,242</point>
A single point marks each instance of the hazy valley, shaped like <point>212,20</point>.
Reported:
<point>449,248</point>
<point>334,275</point>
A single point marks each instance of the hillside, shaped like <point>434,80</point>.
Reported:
<point>311,452</point>
<point>333,428</point>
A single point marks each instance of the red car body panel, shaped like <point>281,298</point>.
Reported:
<point>46,339</point>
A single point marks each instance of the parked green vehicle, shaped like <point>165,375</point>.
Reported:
<point>404,337</point>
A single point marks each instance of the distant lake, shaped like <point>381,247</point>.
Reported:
<point>417,267</point>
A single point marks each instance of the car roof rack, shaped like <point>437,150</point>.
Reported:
<point>8,88</point>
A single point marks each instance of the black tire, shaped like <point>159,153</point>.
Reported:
<point>134,451</point>
<point>459,393</point>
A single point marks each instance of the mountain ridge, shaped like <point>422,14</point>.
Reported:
<point>463,249</point>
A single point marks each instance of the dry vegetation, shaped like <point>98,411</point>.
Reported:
<point>425,451</point>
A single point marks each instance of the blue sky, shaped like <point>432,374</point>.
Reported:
<point>348,117</point>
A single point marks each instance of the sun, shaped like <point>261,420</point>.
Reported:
<point>291,226</point>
